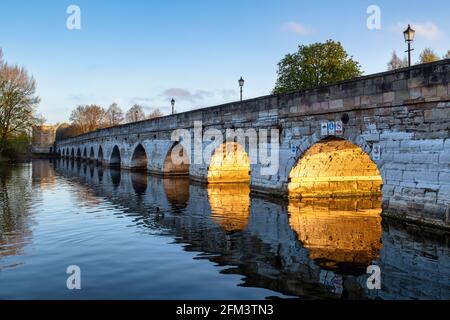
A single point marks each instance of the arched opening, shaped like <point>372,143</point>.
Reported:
<point>78,153</point>
<point>334,167</point>
<point>335,205</point>
<point>139,158</point>
<point>72,153</point>
<point>92,154</point>
<point>176,162</point>
<point>51,149</point>
<point>115,159</point>
<point>85,153</point>
<point>100,154</point>
<point>229,163</point>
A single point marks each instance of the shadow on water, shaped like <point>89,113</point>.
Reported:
<point>316,248</point>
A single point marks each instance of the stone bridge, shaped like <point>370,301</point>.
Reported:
<point>386,133</point>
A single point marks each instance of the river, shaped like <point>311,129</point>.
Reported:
<point>137,236</point>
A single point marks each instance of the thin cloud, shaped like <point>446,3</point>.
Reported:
<point>186,95</point>
<point>296,28</point>
<point>427,30</point>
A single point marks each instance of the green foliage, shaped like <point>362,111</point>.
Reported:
<point>17,145</point>
<point>314,65</point>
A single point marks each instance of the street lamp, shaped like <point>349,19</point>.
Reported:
<point>409,37</point>
<point>172,102</point>
<point>241,84</point>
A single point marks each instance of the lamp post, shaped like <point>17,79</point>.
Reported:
<point>172,102</point>
<point>409,37</point>
<point>241,84</point>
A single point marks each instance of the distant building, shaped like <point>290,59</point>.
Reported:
<point>43,139</point>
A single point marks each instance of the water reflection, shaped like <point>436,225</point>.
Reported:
<point>340,233</point>
<point>177,191</point>
<point>308,249</point>
<point>230,205</point>
<point>15,197</point>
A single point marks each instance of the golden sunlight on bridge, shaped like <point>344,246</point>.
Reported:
<point>229,163</point>
<point>340,231</point>
<point>334,167</point>
<point>230,205</point>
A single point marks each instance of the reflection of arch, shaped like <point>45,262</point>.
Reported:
<point>115,159</point>
<point>100,173</point>
<point>177,191</point>
<point>181,165</point>
<point>100,154</point>
<point>115,176</point>
<point>230,205</point>
<point>334,167</point>
<point>229,163</point>
<point>139,158</point>
<point>92,154</point>
<point>338,232</point>
<point>139,182</point>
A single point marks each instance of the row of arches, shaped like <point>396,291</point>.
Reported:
<point>331,167</point>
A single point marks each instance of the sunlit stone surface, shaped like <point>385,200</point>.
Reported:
<point>334,167</point>
<point>230,205</point>
<point>229,163</point>
<point>338,232</point>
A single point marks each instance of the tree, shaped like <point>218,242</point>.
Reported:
<point>314,65</point>
<point>114,115</point>
<point>155,114</point>
<point>428,55</point>
<point>66,130</point>
<point>396,62</point>
<point>88,117</point>
<point>447,55</point>
<point>17,102</point>
<point>136,113</point>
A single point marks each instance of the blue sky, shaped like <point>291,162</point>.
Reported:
<point>148,51</point>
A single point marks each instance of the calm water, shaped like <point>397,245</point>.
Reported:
<point>142,237</point>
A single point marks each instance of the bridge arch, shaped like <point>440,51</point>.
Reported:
<point>78,153</point>
<point>100,154</point>
<point>139,160</point>
<point>115,160</point>
<point>72,153</point>
<point>176,162</point>
<point>334,167</point>
<point>84,153</point>
<point>229,163</point>
<point>91,154</point>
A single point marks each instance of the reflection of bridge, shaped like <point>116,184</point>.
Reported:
<point>262,242</point>
<point>395,134</point>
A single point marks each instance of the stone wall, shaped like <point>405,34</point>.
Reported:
<point>43,139</point>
